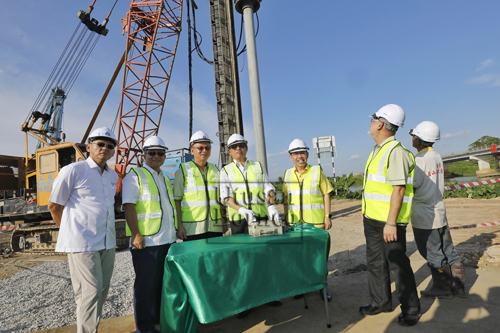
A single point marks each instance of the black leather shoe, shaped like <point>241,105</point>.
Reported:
<point>275,303</point>
<point>243,314</point>
<point>370,310</point>
<point>408,320</point>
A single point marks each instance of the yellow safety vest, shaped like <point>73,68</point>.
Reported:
<point>248,192</point>
<point>305,200</point>
<point>376,188</point>
<point>200,195</point>
<point>148,207</point>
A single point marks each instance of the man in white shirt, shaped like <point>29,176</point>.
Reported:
<point>245,188</point>
<point>82,205</point>
<point>428,218</point>
<point>151,220</point>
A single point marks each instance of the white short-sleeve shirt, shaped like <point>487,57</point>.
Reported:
<point>130,194</point>
<point>88,197</point>
<point>428,210</point>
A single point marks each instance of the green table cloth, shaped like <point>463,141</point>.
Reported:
<point>211,279</point>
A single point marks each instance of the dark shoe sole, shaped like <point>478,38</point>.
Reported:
<point>376,312</point>
<point>408,321</point>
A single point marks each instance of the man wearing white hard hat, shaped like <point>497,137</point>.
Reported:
<point>196,191</point>
<point>386,209</point>
<point>148,202</point>
<point>245,188</point>
<point>82,205</point>
<point>306,191</point>
<point>428,218</point>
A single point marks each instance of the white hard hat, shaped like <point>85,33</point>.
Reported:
<point>154,142</point>
<point>199,136</point>
<point>103,133</point>
<point>297,145</point>
<point>393,113</point>
<point>427,131</point>
<point>236,138</point>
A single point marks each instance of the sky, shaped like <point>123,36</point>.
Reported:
<point>324,66</point>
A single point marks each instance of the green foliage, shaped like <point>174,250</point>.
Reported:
<point>477,192</point>
<point>341,186</point>
<point>484,141</point>
<point>464,168</point>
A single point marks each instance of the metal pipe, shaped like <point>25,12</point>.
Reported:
<point>253,74</point>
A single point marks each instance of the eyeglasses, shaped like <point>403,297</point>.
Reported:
<point>102,145</point>
<point>154,153</point>
<point>297,153</point>
<point>375,119</point>
<point>238,145</point>
<point>200,149</point>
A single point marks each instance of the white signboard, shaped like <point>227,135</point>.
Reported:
<point>324,147</point>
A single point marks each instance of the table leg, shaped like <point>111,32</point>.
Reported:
<point>328,324</point>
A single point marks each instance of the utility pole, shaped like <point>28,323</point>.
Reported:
<point>248,8</point>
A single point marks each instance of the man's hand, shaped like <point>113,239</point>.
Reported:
<point>328,223</point>
<point>181,233</point>
<point>273,214</point>
<point>248,214</point>
<point>138,241</point>
<point>390,233</point>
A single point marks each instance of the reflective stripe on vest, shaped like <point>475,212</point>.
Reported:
<point>305,200</point>
<point>376,188</point>
<point>148,206</point>
<point>200,195</point>
<point>247,192</point>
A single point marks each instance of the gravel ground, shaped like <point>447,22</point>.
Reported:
<point>42,297</point>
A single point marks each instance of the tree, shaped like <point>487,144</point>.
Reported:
<point>484,141</point>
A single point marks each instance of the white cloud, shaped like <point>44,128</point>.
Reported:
<point>484,64</point>
<point>494,79</point>
<point>453,135</point>
<point>275,164</point>
<point>354,157</point>
<point>277,154</point>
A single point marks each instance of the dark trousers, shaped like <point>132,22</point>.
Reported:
<point>148,267</point>
<point>386,259</point>
<point>239,227</point>
<point>436,247</point>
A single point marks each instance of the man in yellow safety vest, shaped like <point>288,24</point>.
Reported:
<point>148,202</point>
<point>386,208</point>
<point>196,193</point>
<point>245,189</point>
<point>306,192</point>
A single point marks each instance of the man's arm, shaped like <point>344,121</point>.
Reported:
<point>390,229</point>
<point>131,217</point>
<point>181,232</point>
<point>327,202</point>
<point>232,203</point>
<point>56,211</point>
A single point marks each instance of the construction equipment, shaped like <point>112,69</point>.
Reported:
<point>153,29</point>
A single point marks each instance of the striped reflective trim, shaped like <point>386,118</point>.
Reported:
<point>384,197</point>
<point>146,216</point>
<point>195,189</point>
<point>190,175</point>
<point>230,172</point>
<point>306,192</point>
<point>314,177</point>
<point>149,198</point>
<point>245,201</point>
<point>144,181</point>
<point>202,203</point>
<point>216,172</point>
<point>306,207</point>
<point>381,165</point>
<point>377,178</point>
<point>409,180</point>
<point>257,171</point>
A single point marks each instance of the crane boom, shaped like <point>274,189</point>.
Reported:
<point>153,29</point>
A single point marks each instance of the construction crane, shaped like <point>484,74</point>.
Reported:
<point>153,29</point>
